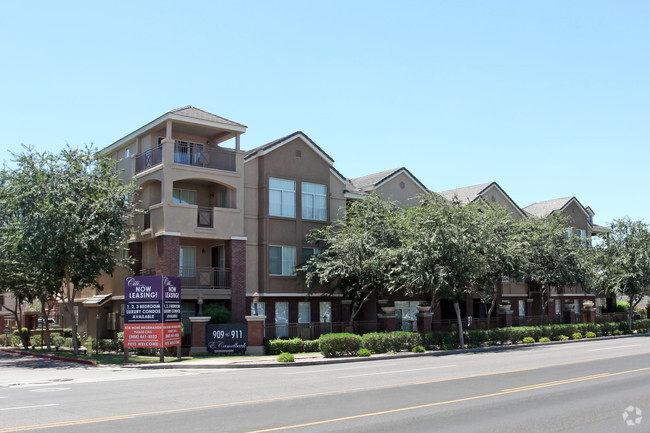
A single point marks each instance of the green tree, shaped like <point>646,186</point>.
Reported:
<point>500,239</point>
<point>553,257</point>
<point>69,215</point>
<point>442,251</point>
<point>356,252</point>
<point>625,261</point>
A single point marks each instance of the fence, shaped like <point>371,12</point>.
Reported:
<point>313,330</point>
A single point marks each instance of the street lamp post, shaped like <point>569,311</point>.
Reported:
<point>256,300</point>
<point>199,300</point>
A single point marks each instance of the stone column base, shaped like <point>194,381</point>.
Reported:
<point>386,322</point>
<point>424,321</point>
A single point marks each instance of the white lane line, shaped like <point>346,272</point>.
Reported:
<point>365,367</point>
<point>29,407</point>
<point>3,396</point>
<point>48,389</point>
<point>613,348</point>
<point>398,371</point>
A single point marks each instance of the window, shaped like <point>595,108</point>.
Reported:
<point>127,152</point>
<point>184,196</point>
<point>314,201</point>
<point>505,279</point>
<point>261,309</point>
<point>522,308</point>
<point>304,312</point>
<point>282,319</point>
<point>187,261</point>
<point>282,198</point>
<point>282,260</point>
<point>187,152</point>
<point>308,252</point>
<point>326,312</point>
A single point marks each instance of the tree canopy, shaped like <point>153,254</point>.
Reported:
<point>65,220</point>
<point>625,261</point>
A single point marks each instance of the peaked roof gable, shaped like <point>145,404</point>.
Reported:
<point>373,181</point>
<point>187,113</point>
<point>276,144</point>
<point>547,207</point>
<point>472,193</point>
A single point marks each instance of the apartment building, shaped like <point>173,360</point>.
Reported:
<point>233,224</point>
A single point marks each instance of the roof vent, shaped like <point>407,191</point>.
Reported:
<point>298,153</point>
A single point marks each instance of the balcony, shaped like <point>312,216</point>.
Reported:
<point>207,278</point>
<point>197,156</point>
<point>148,159</point>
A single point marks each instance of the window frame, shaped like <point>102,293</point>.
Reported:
<point>309,202</point>
<point>283,193</point>
<point>180,196</point>
<point>284,253</point>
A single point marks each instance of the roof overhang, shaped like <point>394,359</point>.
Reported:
<point>288,139</point>
<point>173,117</point>
<point>97,300</point>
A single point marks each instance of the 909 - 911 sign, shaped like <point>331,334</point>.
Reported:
<point>229,338</point>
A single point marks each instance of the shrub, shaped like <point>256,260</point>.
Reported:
<point>438,339</point>
<point>641,331</point>
<point>628,332</point>
<point>341,344</point>
<point>622,307</point>
<point>590,335</point>
<point>36,340</point>
<point>217,312</point>
<point>58,340</point>
<point>90,345</point>
<point>120,342</point>
<point>376,342</point>
<point>277,346</point>
<point>286,357</point>
<point>617,332</point>
<point>562,338</point>
<point>418,349</point>
<point>544,340</point>
<point>107,345</point>
<point>25,333</point>
<point>310,346</point>
<point>576,336</point>
<point>499,335</point>
<point>528,340</point>
<point>641,324</point>
<point>147,351</point>
<point>67,342</point>
<point>363,352</point>
<point>476,337</point>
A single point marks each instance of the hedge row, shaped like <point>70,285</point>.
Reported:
<point>295,345</point>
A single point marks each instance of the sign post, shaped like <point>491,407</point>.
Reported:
<point>152,312</point>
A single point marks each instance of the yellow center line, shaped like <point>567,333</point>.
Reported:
<point>441,403</point>
<point>326,393</point>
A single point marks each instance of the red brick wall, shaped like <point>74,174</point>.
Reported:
<point>236,261</point>
<point>167,260</point>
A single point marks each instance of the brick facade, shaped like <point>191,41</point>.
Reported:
<point>167,260</point>
<point>236,261</point>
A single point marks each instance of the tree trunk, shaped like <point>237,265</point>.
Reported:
<point>492,304</point>
<point>45,314</point>
<point>69,297</point>
<point>460,326</point>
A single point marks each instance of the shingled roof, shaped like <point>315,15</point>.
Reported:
<point>197,113</point>
<point>368,183</point>
<point>280,141</point>
<point>466,194</point>
<point>547,207</point>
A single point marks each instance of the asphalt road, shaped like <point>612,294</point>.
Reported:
<point>581,387</point>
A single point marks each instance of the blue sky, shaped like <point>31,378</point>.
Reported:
<point>549,99</point>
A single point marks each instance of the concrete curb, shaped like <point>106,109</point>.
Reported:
<point>378,357</point>
<point>53,357</point>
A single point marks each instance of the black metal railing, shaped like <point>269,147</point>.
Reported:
<point>205,217</point>
<point>313,330</point>
<point>199,277</point>
<point>220,159</point>
<point>148,159</point>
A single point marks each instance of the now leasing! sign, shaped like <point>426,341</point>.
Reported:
<point>152,311</point>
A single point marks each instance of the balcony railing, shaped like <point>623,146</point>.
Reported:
<point>185,153</point>
<point>148,159</point>
<point>200,277</point>
<point>205,217</point>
